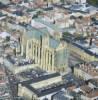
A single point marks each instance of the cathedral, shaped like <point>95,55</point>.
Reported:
<point>49,53</point>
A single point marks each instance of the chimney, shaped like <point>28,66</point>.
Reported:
<point>90,43</point>
<point>54,22</point>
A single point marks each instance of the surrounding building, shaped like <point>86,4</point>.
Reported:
<point>5,91</point>
<point>42,87</point>
<point>76,1</point>
<point>17,65</point>
<point>90,93</point>
<point>86,71</point>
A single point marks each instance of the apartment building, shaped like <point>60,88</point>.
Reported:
<point>86,71</point>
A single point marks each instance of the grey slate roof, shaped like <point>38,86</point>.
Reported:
<point>36,33</point>
<point>60,96</point>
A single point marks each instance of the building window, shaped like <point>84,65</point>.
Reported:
<point>48,57</point>
<point>29,45</point>
<point>34,50</point>
<point>63,69</point>
<point>40,52</point>
<point>45,57</point>
<point>37,51</point>
<point>51,60</point>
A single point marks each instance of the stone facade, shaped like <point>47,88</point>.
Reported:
<point>49,53</point>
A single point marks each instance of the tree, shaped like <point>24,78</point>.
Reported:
<point>46,1</point>
<point>93,2</point>
<point>8,38</point>
<point>14,51</point>
<point>93,19</point>
<point>65,34</point>
<point>62,1</point>
<point>80,17</point>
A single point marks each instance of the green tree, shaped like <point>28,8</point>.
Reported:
<point>8,38</point>
<point>93,2</point>
<point>62,1</point>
